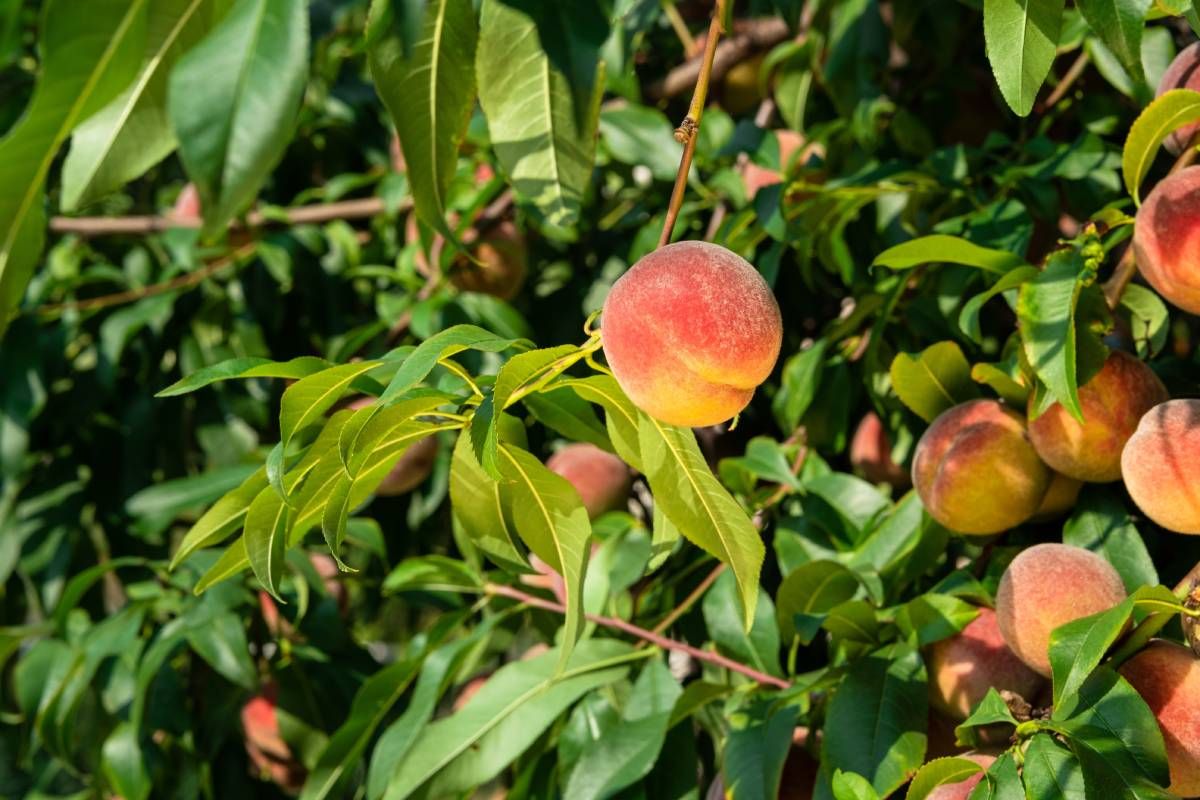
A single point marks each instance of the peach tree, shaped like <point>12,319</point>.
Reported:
<point>614,398</point>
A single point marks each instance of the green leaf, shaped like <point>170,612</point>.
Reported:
<point>931,617</point>
<point>168,499</point>
<point>132,133</point>
<point>852,786</point>
<point>1051,772</point>
<point>504,718</point>
<point>1102,524</point>
<point>810,592</point>
<point>1149,321</point>
<point>697,504</point>
<point>123,765</point>
<point>622,419</point>
<point>1119,23</point>
<point>968,318</point>
<point>444,344</point>
<point>696,695</point>
<point>542,109</point>
<point>876,721</point>
<point>943,249</point>
<point>549,516</point>
<point>1046,312</point>
<point>801,379</point>
<point>1169,112</point>
<point>429,94</point>
<point>568,414</point>
<point>939,772</point>
<point>233,101</point>
<point>432,573</point>
<point>1078,647</point>
<point>760,738</point>
<point>759,646</point>
<point>478,507</point>
<point>267,525</point>
<point>248,367</point>
<point>1001,781</point>
<point>625,753</point>
<point>991,710</point>
<point>934,380</point>
<point>90,51</point>
<point>1002,383</point>
<point>221,641</point>
<point>306,401</point>
<point>1022,39</point>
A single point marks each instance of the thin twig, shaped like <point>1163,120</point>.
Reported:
<point>1072,74</point>
<point>1126,268</point>
<point>690,600</point>
<point>687,132</point>
<point>749,37</point>
<point>361,208</point>
<point>653,638</point>
<point>182,282</point>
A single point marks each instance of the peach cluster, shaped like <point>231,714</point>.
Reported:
<point>690,331</point>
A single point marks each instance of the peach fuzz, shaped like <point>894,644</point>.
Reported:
<point>690,331</point>
<point>1113,402</point>
<point>964,667</point>
<point>1167,676</point>
<point>871,454</point>
<point>1166,239</point>
<point>1161,465</point>
<point>1049,585</point>
<point>976,471</point>
<point>962,789</point>
<point>1182,73</point>
<point>601,478</point>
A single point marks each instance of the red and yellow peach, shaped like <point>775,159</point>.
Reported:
<point>1167,676</point>
<point>1166,238</point>
<point>1161,465</point>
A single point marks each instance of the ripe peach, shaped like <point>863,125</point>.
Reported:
<point>601,478</point>
<point>871,454</point>
<point>1049,585</point>
<point>690,331</point>
<point>962,789</point>
<point>1167,676</point>
<point>265,746</point>
<point>975,470</point>
<point>755,177</point>
<point>1113,402</point>
<point>1060,498</point>
<point>1182,74</point>
<point>1160,465</point>
<point>963,668</point>
<point>413,466</point>
<point>1166,235</point>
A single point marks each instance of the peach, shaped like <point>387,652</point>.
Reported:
<point>187,205</point>
<point>755,177</point>
<point>1166,238</point>
<point>962,789</point>
<point>690,331</point>
<point>413,466</point>
<point>1161,465</point>
<point>327,568</point>
<point>871,454</point>
<point>601,478</point>
<point>976,471</point>
<point>1060,498</point>
<point>1167,676</point>
<point>265,746</point>
<point>740,89</point>
<point>1049,585</point>
<point>964,667</point>
<point>1182,73</point>
<point>504,264</point>
<point>1113,402</point>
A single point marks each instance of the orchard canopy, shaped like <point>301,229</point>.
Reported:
<point>636,399</point>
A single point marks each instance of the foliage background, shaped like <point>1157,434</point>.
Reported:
<point>118,678</point>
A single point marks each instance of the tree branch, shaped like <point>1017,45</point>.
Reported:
<point>749,37</point>
<point>653,638</point>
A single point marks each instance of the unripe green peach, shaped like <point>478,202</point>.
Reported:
<point>1167,676</point>
<point>976,471</point>
<point>1049,585</point>
<point>964,667</point>
<point>601,478</point>
<point>1113,402</point>
<point>690,331</point>
<point>1166,236</point>
<point>1182,73</point>
<point>962,789</point>
<point>740,89</point>
<point>1161,465</point>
